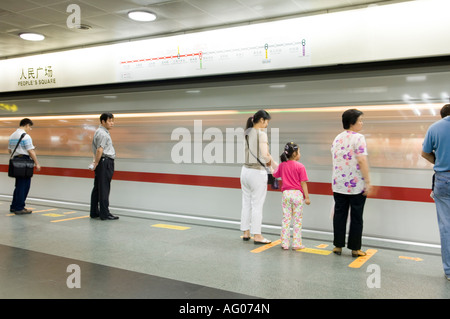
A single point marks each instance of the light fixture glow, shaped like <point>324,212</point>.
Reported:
<point>142,16</point>
<point>277,86</point>
<point>29,36</point>
<point>337,109</point>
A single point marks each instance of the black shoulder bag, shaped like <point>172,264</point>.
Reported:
<point>20,166</point>
<point>271,180</point>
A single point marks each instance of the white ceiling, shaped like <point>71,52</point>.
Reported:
<point>109,22</point>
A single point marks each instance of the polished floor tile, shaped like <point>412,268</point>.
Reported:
<point>144,258</point>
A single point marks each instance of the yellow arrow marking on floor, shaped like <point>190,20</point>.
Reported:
<point>361,260</point>
<point>45,210</point>
<point>63,220</point>
<point>322,246</point>
<point>267,246</point>
<point>170,227</point>
<point>315,251</point>
<point>411,258</point>
<point>52,215</point>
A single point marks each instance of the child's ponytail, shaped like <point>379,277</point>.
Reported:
<point>288,151</point>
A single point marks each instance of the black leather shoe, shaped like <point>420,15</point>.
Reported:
<point>110,217</point>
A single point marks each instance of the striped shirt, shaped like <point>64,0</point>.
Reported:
<point>25,145</point>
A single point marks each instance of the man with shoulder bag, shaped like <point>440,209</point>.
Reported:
<point>21,149</point>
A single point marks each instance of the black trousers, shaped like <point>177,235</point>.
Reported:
<point>102,186</point>
<point>22,187</point>
<point>342,204</point>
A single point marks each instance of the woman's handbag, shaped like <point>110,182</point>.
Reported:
<point>271,180</point>
<point>20,166</point>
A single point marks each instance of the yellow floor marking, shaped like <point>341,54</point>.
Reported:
<point>63,220</point>
<point>52,215</point>
<point>45,210</point>
<point>411,258</point>
<point>315,251</point>
<point>72,212</point>
<point>322,246</point>
<point>361,260</point>
<point>171,227</point>
<point>267,246</point>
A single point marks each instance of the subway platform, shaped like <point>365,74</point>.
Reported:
<point>61,253</point>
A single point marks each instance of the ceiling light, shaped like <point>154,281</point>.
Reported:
<point>29,36</point>
<point>277,86</point>
<point>142,16</point>
<point>83,27</point>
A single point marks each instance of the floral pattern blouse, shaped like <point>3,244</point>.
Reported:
<point>347,176</point>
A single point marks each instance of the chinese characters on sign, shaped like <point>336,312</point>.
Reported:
<point>36,76</point>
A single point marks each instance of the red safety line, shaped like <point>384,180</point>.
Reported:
<point>318,188</point>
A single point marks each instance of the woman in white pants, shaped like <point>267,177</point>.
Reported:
<point>254,176</point>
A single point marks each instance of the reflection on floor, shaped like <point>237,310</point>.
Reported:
<point>62,253</point>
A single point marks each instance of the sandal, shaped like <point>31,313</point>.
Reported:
<point>262,242</point>
<point>337,250</point>
<point>358,253</point>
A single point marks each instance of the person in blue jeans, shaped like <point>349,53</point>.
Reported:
<point>436,150</point>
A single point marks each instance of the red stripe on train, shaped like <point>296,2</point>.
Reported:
<point>318,188</point>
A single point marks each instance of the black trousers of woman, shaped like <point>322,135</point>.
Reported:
<point>342,204</point>
<point>102,186</point>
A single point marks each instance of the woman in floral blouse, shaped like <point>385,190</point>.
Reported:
<point>350,183</point>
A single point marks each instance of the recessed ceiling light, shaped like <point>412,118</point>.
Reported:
<point>145,16</point>
<point>29,36</point>
<point>84,27</point>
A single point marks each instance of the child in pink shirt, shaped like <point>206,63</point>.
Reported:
<point>295,193</point>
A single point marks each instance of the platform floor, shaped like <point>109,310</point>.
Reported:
<point>148,258</point>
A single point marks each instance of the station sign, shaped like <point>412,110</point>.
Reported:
<point>369,34</point>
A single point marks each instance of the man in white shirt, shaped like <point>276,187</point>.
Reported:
<point>103,165</point>
<point>25,148</point>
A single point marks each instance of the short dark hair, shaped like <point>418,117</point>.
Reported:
<point>105,116</point>
<point>350,117</point>
<point>445,110</point>
<point>26,121</point>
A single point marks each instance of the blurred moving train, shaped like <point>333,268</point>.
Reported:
<point>178,146</point>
